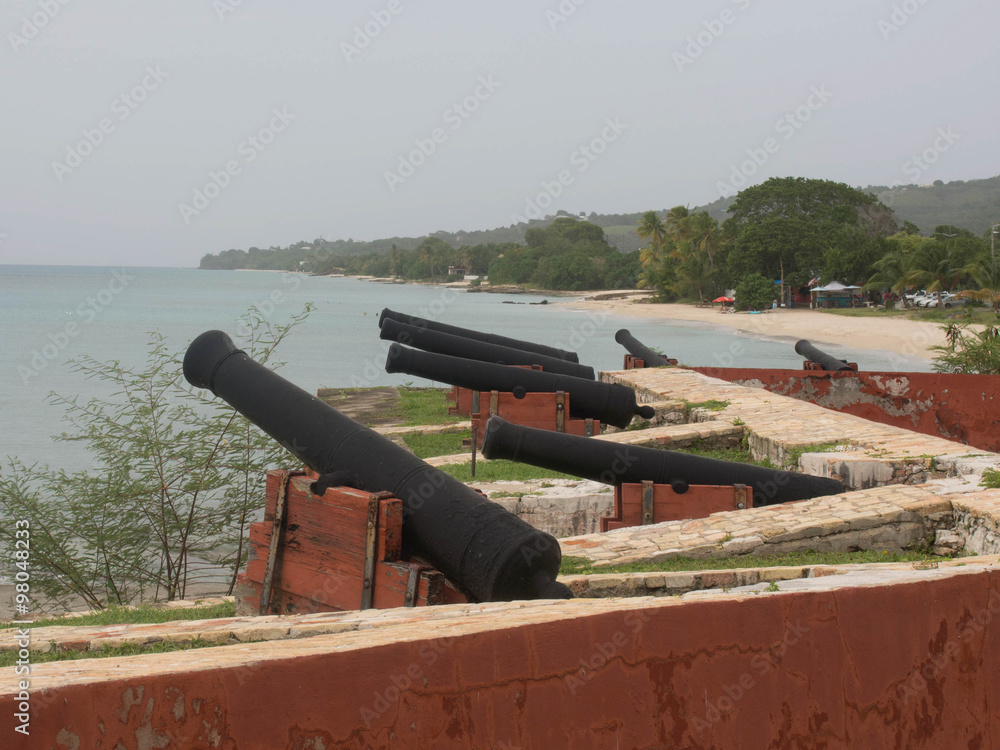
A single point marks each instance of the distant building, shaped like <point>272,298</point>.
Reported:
<point>457,270</point>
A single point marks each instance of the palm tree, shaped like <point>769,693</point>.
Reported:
<point>985,272</point>
<point>705,235</point>
<point>651,228</point>
<point>696,272</point>
<point>677,223</point>
<point>890,271</point>
<point>933,268</point>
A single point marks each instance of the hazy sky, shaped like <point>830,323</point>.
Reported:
<point>140,133</point>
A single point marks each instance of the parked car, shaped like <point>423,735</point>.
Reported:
<point>948,300</point>
<point>914,297</point>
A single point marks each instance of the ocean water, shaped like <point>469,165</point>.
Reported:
<point>52,314</point>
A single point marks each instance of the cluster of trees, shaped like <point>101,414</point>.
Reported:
<point>567,254</point>
<point>951,259</point>
<point>797,230</point>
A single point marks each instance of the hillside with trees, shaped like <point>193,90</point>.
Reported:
<point>793,230</point>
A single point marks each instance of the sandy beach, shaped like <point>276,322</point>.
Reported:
<point>895,335</point>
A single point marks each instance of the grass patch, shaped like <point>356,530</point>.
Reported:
<point>710,405</point>
<point>142,614</point>
<point>979,315</point>
<point>440,444</point>
<point>501,471</point>
<point>581,565</point>
<point>991,479</point>
<point>740,455</point>
<point>426,406</point>
<point>9,658</point>
<point>792,455</point>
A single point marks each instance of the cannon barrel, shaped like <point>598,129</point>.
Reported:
<point>616,463</point>
<point>488,552</point>
<point>611,404</point>
<point>456,346</point>
<point>824,360</point>
<point>468,333</point>
<point>637,349</point>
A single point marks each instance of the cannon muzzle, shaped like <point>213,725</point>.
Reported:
<point>456,346</point>
<point>616,463</point>
<point>468,333</point>
<point>637,349</point>
<point>488,552</point>
<point>824,360</point>
<point>611,404</point>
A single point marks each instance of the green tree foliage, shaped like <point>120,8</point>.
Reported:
<point>178,477</point>
<point>567,254</point>
<point>680,259</point>
<point>794,228</point>
<point>969,351</point>
<point>754,292</point>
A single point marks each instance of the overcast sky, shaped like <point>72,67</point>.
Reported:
<point>151,133</point>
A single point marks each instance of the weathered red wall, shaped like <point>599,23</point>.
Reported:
<point>965,408</point>
<point>905,666</point>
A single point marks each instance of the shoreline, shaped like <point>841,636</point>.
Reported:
<point>898,336</point>
<point>892,335</point>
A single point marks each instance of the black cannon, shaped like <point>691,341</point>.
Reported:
<point>468,333</point>
<point>637,349</point>
<point>615,463</point>
<point>491,554</point>
<point>824,360</point>
<point>611,404</point>
<point>456,346</point>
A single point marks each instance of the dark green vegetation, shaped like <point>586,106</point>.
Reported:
<point>566,254</point>
<point>754,292</point>
<point>426,406</point>
<point>991,479</point>
<point>178,477</point>
<point>142,614</point>
<point>581,565</point>
<point>739,455</point>
<point>438,444</point>
<point>969,351</point>
<point>791,229</point>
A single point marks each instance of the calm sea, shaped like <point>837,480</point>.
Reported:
<point>52,314</point>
